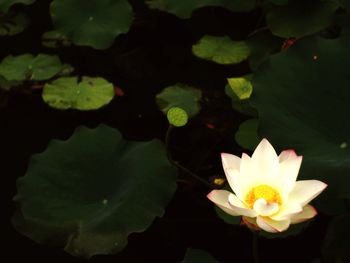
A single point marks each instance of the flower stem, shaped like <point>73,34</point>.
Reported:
<point>255,247</point>
<point>177,164</point>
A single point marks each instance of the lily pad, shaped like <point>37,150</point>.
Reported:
<point>13,24</point>
<point>262,44</point>
<point>242,87</point>
<point>184,9</point>
<point>68,93</point>
<point>54,39</point>
<point>6,85</point>
<point>247,135</point>
<point>87,194</point>
<point>221,50</point>
<point>6,4</point>
<point>181,96</point>
<point>239,90</point>
<point>300,18</point>
<point>93,23</point>
<point>302,96</point>
<point>28,67</point>
<point>177,117</point>
<point>198,256</point>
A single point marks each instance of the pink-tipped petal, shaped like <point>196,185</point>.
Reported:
<point>230,161</point>
<point>272,226</point>
<point>304,191</point>
<point>239,207</point>
<point>287,154</point>
<point>220,198</point>
<point>307,213</point>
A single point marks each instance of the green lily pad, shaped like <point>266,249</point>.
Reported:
<point>28,67</point>
<point>247,135</point>
<point>181,96</point>
<point>54,39</point>
<point>221,50</point>
<point>300,18</point>
<point>6,85</point>
<point>336,244</point>
<point>68,93</point>
<point>242,87</point>
<point>93,23</point>
<point>198,256</point>
<point>66,70</point>
<point>239,90</point>
<point>262,44</point>
<point>87,194</point>
<point>6,4</point>
<point>302,96</point>
<point>13,24</point>
<point>184,9</point>
<point>177,117</point>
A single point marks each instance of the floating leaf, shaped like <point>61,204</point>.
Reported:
<point>239,90</point>
<point>242,87</point>
<point>28,67</point>
<point>6,4</point>
<point>177,117</point>
<point>182,96</point>
<point>54,39</point>
<point>336,244</point>
<point>7,85</point>
<point>66,70</point>
<point>300,18</point>
<point>198,256</point>
<point>68,93</point>
<point>92,23</point>
<point>184,9</point>
<point>12,24</point>
<point>87,194</point>
<point>247,135</point>
<point>221,50</point>
<point>262,44</point>
<point>302,96</point>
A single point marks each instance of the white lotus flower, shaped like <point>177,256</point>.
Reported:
<point>267,195</point>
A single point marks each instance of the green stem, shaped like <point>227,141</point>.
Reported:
<point>177,164</point>
<point>255,247</point>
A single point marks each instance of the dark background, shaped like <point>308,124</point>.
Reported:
<point>154,54</point>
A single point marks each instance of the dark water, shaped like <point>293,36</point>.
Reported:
<point>155,53</point>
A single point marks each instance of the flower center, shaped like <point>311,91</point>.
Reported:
<point>262,191</point>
